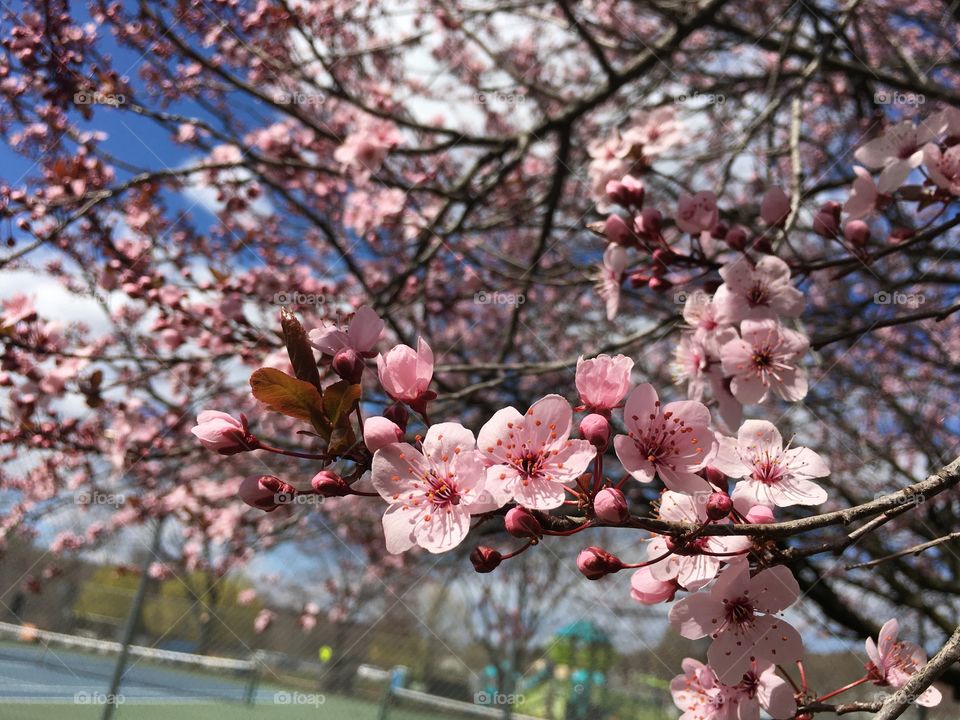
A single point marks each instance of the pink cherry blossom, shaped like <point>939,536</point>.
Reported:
<point>765,359</point>
<point>405,373</point>
<point>362,334</point>
<point>531,456</point>
<point>688,564</point>
<point>603,381</point>
<point>433,493</point>
<point>611,276</point>
<point>775,206</point>
<point>943,167</point>
<point>863,195</point>
<point>702,696</point>
<point>263,620</point>
<point>898,151</point>
<point>700,313</point>
<point>221,432</point>
<point>672,442</point>
<point>773,475</point>
<point>893,663</point>
<point>691,365</point>
<point>740,613</point>
<point>755,292</point>
<point>697,213</point>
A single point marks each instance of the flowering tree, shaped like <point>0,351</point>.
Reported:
<point>761,193</point>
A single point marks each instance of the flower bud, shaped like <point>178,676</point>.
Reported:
<point>658,284</point>
<point>719,506</point>
<point>329,484</point>
<point>398,414</point>
<point>736,238</point>
<point>521,523</point>
<point>378,431</point>
<point>348,364</point>
<point>265,492</point>
<point>646,589</point>
<point>610,506</point>
<point>628,192</point>
<point>617,231</point>
<point>775,207</point>
<point>648,223</point>
<point>223,433</point>
<point>485,559</point>
<point>857,233</point>
<point>595,429</point>
<point>595,562</point>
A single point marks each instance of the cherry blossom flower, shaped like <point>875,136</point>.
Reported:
<point>739,613</point>
<point>362,334</point>
<point>603,381</point>
<point>405,373</point>
<point>763,291</point>
<point>689,564</point>
<point>263,620</point>
<point>773,475</point>
<point>701,695</point>
<point>611,276</point>
<point>697,213</point>
<point>531,456</point>
<point>700,313</point>
<point>863,195</point>
<point>775,206</point>
<point>943,168</point>
<point>365,149</point>
<point>433,493</point>
<point>691,363</point>
<point>898,151</point>
<point>672,442</point>
<point>893,663</point>
<point>765,359</point>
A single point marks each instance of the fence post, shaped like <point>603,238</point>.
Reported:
<point>130,626</point>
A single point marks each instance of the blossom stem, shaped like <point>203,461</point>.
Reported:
<point>790,680</point>
<point>597,474</point>
<point>516,552</point>
<point>803,676</point>
<point>290,453</point>
<point>571,531</point>
<point>846,687</point>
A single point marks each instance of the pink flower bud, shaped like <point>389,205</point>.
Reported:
<point>736,238</point>
<point>775,207</point>
<point>595,562</point>
<point>223,433</point>
<point>399,414</point>
<point>719,506</point>
<point>348,364</point>
<point>595,429</point>
<point>646,589</point>
<point>329,484</point>
<point>760,514</point>
<point>405,373</point>
<point>857,233</point>
<point>521,523</point>
<point>648,223</point>
<point>658,284</point>
<point>826,224</point>
<point>616,230</point>
<point>610,506</point>
<point>485,559</point>
<point>265,492</point>
<point>628,192</point>
<point>379,431</point>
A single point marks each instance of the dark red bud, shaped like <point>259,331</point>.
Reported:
<point>485,559</point>
<point>719,506</point>
<point>521,523</point>
<point>348,365</point>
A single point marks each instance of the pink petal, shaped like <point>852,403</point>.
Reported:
<point>642,402</point>
<point>440,530</point>
<point>632,459</point>
<point>758,437</point>
<point>365,329</point>
<point>398,524</point>
<point>539,493</point>
<point>694,615</point>
<point>774,589</point>
<point>496,431</point>
<point>548,421</point>
<point>571,461</point>
<point>393,469</point>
